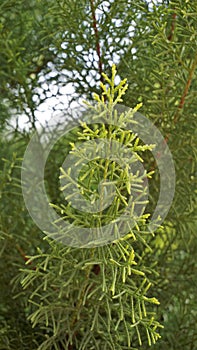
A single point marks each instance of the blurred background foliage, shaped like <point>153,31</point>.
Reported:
<point>52,56</point>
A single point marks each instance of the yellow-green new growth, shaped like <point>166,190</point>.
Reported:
<point>113,93</point>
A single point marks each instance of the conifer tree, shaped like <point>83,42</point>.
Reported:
<point>45,47</point>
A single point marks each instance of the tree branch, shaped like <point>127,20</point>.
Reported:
<point>186,89</point>
<point>170,36</point>
<point>98,48</point>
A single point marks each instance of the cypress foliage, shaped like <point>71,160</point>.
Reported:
<point>58,297</point>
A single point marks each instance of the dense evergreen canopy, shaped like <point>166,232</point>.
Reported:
<point>53,55</point>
